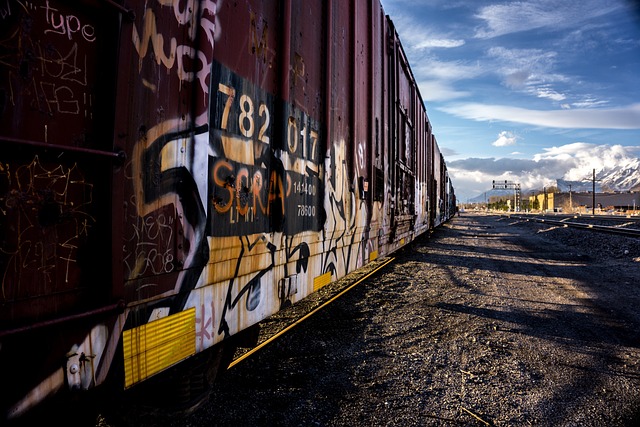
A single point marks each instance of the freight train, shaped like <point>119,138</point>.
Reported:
<point>173,172</point>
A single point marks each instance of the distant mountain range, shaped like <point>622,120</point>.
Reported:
<point>623,178</point>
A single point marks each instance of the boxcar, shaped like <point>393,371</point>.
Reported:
<point>173,172</point>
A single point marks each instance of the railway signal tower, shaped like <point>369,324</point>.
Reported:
<point>510,185</point>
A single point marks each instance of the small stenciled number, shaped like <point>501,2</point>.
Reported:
<point>304,188</point>
<point>305,210</point>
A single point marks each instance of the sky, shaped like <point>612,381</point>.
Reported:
<point>526,91</point>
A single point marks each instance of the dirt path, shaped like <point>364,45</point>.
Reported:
<point>526,330</point>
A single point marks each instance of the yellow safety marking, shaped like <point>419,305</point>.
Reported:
<point>151,348</point>
<point>402,241</point>
<point>373,256</point>
<point>321,281</point>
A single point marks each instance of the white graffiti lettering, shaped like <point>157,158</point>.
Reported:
<point>173,55</point>
<point>67,24</point>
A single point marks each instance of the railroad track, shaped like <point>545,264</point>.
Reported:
<point>624,226</point>
<point>285,320</point>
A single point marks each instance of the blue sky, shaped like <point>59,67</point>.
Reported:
<point>528,91</point>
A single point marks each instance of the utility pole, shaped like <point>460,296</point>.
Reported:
<point>570,201</point>
<point>593,198</point>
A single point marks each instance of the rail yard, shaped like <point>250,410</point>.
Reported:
<point>626,225</point>
<point>176,174</point>
<point>491,321</point>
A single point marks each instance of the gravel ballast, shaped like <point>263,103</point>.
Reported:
<point>490,321</point>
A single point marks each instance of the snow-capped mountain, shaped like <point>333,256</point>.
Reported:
<point>621,178</point>
<point>624,178</point>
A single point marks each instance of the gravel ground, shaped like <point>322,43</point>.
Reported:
<point>490,321</point>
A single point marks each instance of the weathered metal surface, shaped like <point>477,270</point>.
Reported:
<point>230,157</point>
<point>56,115</point>
<point>54,96</point>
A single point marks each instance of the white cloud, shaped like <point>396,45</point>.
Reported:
<point>612,118</point>
<point>502,19</point>
<point>430,43</point>
<point>529,70</point>
<point>544,92</point>
<point>415,36</point>
<point>589,103</point>
<point>583,157</point>
<point>447,70</point>
<point>505,138</point>
<point>516,79</point>
<point>434,90</point>
<point>436,78</point>
<point>573,162</point>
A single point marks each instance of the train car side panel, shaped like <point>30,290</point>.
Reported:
<point>56,88</point>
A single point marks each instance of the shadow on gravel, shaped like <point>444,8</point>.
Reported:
<point>548,254</point>
<point>352,364</point>
<point>569,327</point>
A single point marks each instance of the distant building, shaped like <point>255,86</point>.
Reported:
<point>584,202</point>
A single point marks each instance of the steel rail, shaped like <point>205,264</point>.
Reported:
<point>306,316</point>
<point>630,232</point>
<point>618,218</point>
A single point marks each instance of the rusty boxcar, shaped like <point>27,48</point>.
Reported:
<point>174,171</point>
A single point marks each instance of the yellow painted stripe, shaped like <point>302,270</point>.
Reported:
<point>151,348</point>
<point>373,256</point>
<point>321,281</point>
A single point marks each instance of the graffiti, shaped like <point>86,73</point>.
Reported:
<point>166,229</point>
<point>252,200</point>
<point>343,249</point>
<point>258,183</point>
<point>56,22</point>
<point>68,25</point>
<point>167,202</point>
<point>152,238</point>
<point>252,290</point>
<point>259,43</point>
<point>204,323</point>
<point>153,42</point>
<point>50,79</point>
<point>44,213</point>
<point>263,193</point>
